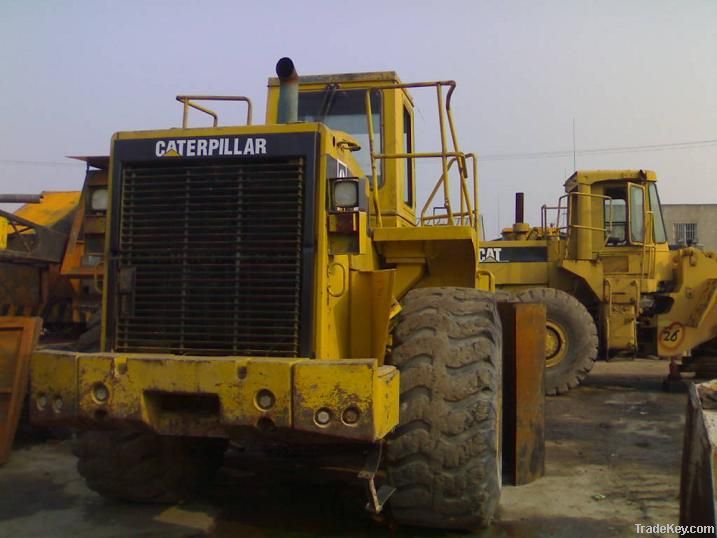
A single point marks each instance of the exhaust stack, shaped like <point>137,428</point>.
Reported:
<point>521,230</point>
<point>288,91</point>
<point>20,198</point>
<point>519,207</point>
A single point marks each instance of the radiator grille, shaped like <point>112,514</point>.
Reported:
<point>214,251</point>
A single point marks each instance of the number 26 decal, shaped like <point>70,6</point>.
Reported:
<point>672,335</point>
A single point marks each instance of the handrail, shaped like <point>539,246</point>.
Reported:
<point>568,225</point>
<point>448,157</point>
<point>186,100</point>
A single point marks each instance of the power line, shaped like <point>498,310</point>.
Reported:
<point>484,157</point>
<point>594,151</point>
<point>39,163</point>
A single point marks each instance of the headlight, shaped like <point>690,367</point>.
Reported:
<point>98,200</point>
<point>346,194</point>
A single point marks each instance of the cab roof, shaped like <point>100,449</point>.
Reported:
<point>588,177</point>
<point>377,77</point>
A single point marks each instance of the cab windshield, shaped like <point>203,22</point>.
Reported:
<point>345,110</point>
<point>616,215</point>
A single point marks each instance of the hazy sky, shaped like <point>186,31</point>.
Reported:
<point>630,73</point>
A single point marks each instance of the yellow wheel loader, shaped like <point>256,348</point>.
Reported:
<point>277,284</point>
<point>601,263</point>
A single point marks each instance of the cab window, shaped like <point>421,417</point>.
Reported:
<point>658,223</point>
<point>616,217</point>
<point>637,214</point>
<point>345,110</point>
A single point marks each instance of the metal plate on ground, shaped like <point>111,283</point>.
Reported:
<point>523,391</point>
<point>18,337</point>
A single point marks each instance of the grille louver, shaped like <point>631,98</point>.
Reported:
<point>214,249</point>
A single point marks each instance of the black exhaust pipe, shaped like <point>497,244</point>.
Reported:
<point>519,207</point>
<point>288,91</point>
<point>20,198</point>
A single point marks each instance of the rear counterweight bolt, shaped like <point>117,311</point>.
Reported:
<point>323,416</point>
<point>265,399</point>
<point>100,393</point>
<point>351,416</point>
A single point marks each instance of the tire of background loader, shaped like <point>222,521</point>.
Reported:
<point>582,339</point>
<point>443,457</point>
<point>145,467</point>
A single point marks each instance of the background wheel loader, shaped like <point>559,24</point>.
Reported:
<point>601,263</point>
<point>276,286</point>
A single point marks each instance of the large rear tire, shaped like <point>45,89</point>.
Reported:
<point>444,456</point>
<point>571,344</point>
<point>145,467</point>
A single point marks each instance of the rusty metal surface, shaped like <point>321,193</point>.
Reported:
<point>202,396</point>
<point>28,241</point>
<point>699,458</point>
<point>18,336</point>
<point>523,391</point>
<point>238,294</point>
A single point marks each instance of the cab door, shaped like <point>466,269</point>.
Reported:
<point>625,264</point>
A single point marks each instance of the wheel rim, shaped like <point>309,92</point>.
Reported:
<point>556,344</point>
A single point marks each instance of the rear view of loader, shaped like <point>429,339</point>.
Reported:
<point>276,285</point>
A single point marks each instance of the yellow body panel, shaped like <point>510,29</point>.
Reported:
<point>692,319</point>
<point>54,207</point>
<point>4,228</point>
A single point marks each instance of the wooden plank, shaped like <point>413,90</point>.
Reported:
<point>18,337</point>
<point>523,391</point>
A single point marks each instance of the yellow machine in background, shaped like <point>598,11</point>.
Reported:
<point>601,263</point>
<point>50,258</point>
<point>51,251</point>
<point>278,283</point>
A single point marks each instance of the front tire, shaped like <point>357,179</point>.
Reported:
<point>444,456</point>
<point>571,345</point>
<point>146,467</point>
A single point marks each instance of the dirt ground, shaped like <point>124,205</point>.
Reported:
<point>612,460</point>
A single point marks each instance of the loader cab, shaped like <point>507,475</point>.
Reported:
<point>340,102</point>
<point>615,217</point>
<point>632,214</point>
<point>619,208</point>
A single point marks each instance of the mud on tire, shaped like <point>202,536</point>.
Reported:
<point>573,319</point>
<point>443,457</point>
<point>145,467</point>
